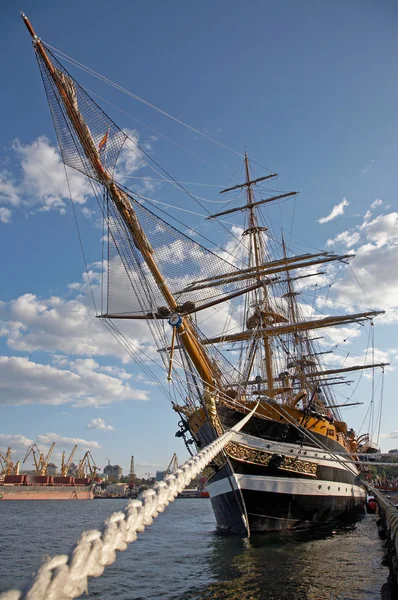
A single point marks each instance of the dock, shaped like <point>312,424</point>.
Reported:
<point>387,524</point>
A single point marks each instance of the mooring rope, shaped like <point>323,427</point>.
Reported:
<point>65,576</point>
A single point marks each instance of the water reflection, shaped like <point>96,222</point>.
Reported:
<point>323,564</point>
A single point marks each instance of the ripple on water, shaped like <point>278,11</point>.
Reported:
<point>182,557</point>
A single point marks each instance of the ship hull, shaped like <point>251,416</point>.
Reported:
<point>272,503</point>
<point>312,487</point>
<point>44,492</point>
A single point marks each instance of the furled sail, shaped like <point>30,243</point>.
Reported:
<point>84,115</point>
<point>90,142</point>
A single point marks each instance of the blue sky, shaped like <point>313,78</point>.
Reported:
<point>309,88</point>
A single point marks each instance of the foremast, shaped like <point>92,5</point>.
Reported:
<point>187,333</point>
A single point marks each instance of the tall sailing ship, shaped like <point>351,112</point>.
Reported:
<point>293,463</point>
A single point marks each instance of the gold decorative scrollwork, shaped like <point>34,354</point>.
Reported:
<point>208,472</point>
<point>260,457</point>
<point>211,408</point>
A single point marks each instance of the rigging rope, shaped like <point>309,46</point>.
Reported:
<point>65,576</point>
<point>90,71</point>
<point>164,137</point>
<point>80,238</point>
<point>184,182</point>
<point>381,406</point>
<point>171,178</point>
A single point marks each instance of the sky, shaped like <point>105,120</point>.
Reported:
<point>309,89</point>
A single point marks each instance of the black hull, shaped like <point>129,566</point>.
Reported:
<point>271,511</point>
<point>255,498</point>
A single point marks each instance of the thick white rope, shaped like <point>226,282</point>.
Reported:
<point>65,576</point>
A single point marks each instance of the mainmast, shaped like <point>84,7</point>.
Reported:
<point>261,296</point>
<point>264,315</point>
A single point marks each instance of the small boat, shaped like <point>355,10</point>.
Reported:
<point>193,493</point>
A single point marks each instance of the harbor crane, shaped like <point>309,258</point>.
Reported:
<point>33,449</point>
<point>41,464</point>
<point>5,463</point>
<point>44,461</point>
<point>173,465</point>
<point>66,464</point>
<point>87,463</point>
<point>7,467</point>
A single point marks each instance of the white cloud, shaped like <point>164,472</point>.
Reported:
<point>383,230</point>
<point>87,212</point>
<point>80,384</point>
<point>375,266</point>
<point>5,214</point>
<point>67,326</point>
<point>340,335</point>
<point>8,191</point>
<point>347,238</point>
<point>377,202</point>
<point>393,435</point>
<point>44,181</point>
<point>130,158</point>
<point>49,438</point>
<point>16,442</point>
<point>19,445</point>
<point>337,210</point>
<point>41,182</point>
<point>99,424</point>
<point>366,169</point>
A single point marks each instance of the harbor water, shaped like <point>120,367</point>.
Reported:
<point>182,556</point>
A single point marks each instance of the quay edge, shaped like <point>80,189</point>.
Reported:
<point>387,524</point>
<point>46,492</point>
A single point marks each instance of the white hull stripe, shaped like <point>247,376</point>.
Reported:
<point>285,485</point>
<point>304,452</point>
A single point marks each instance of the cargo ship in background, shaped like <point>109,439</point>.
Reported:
<point>41,485</point>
